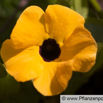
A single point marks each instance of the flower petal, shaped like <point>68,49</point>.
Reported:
<point>29,29</point>
<point>61,22</point>
<point>23,65</point>
<point>81,48</point>
<point>54,78</point>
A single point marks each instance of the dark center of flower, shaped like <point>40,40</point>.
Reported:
<point>50,50</point>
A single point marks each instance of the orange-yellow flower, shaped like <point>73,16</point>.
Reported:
<point>47,47</point>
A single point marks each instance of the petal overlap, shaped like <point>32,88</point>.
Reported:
<point>81,48</point>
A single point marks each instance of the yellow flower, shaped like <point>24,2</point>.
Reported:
<point>47,47</point>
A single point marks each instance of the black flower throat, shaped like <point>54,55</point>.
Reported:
<point>49,50</point>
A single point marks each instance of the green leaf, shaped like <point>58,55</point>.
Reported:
<point>3,72</point>
<point>9,86</point>
<point>96,28</point>
<point>80,6</point>
<point>27,94</point>
<point>12,91</point>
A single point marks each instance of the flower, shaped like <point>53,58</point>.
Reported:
<point>47,47</point>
